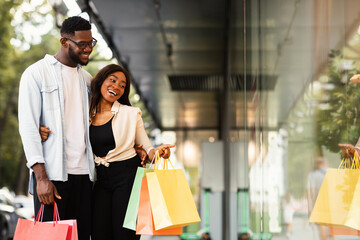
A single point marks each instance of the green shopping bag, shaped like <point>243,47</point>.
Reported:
<point>133,205</point>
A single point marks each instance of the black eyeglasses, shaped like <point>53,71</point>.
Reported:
<point>83,45</point>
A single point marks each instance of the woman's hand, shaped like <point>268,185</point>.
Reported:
<point>142,154</point>
<point>164,150</point>
<point>355,78</point>
<point>44,133</point>
<point>348,150</point>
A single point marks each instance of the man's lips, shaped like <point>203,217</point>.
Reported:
<point>86,56</point>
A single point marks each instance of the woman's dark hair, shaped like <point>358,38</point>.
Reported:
<point>75,23</point>
<point>97,82</point>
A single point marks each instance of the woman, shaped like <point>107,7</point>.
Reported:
<point>115,128</point>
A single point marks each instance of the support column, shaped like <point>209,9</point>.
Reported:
<point>225,123</point>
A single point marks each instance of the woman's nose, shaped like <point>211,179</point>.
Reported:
<point>115,86</point>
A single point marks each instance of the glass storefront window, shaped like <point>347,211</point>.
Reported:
<point>299,57</point>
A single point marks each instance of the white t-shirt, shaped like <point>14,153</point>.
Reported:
<point>74,122</point>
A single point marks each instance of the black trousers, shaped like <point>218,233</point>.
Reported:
<point>75,203</point>
<point>110,199</point>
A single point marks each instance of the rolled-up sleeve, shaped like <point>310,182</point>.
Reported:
<point>29,112</point>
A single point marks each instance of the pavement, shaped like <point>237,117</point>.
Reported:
<point>145,237</point>
<point>303,230</point>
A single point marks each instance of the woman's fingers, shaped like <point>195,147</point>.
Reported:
<point>164,150</point>
<point>355,78</point>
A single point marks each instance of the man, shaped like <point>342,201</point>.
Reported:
<point>53,92</point>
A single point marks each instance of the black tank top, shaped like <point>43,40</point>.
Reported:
<point>102,139</point>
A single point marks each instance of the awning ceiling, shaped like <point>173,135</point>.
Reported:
<point>175,51</point>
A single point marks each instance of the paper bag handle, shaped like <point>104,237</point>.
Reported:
<point>39,216</point>
<point>165,165</point>
<point>355,163</point>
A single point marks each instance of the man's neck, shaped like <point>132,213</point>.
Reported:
<point>65,60</point>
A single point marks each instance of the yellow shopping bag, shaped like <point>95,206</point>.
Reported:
<point>338,200</point>
<point>172,203</point>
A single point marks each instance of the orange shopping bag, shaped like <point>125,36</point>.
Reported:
<point>145,221</point>
<point>37,230</point>
<point>343,231</point>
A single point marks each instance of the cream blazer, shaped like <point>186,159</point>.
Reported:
<point>128,129</point>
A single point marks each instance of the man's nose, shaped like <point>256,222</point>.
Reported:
<point>88,47</point>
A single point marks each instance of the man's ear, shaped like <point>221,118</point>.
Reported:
<point>64,42</point>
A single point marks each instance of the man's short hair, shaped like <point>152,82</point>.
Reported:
<point>75,23</point>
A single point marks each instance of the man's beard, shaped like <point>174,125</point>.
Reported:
<point>75,57</point>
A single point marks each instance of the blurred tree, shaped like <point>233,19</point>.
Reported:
<point>13,61</point>
<point>7,90</point>
<point>338,116</point>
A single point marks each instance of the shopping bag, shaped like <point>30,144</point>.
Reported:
<point>172,203</point>
<point>72,233</point>
<point>337,203</point>
<point>343,231</point>
<point>145,222</point>
<point>31,230</point>
<point>37,230</point>
<point>133,205</point>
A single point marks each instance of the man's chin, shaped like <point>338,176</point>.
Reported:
<point>84,63</point>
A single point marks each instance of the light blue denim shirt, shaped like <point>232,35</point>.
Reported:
<point>41,102</point>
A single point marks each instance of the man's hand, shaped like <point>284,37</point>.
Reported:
<point>142,154</point>
<point>46,191</point>
<point>44,187</point>
<point>44,133</point>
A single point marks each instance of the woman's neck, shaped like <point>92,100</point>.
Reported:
<point>105,106</point>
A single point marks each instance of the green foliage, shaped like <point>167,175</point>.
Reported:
<point>339,121</point>
<point>8,127</point>
<point>13,62</point>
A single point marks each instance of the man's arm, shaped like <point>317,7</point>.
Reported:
<point>29,111</point>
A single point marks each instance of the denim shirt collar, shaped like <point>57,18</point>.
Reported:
<point>52,60</point>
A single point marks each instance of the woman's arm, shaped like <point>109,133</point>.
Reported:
<point>142,139</point>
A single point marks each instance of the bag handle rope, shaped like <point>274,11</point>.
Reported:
<point>346,164</point>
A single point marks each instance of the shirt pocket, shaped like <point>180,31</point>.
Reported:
<point>50,97</point>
